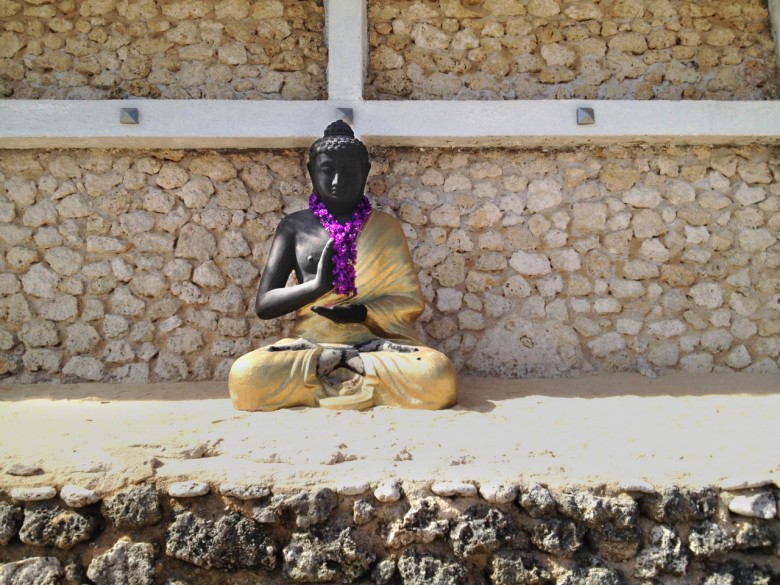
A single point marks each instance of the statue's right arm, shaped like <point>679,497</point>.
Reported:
<point>274,299</point>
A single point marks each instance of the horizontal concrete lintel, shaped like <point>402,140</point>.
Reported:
<point>294,124</point>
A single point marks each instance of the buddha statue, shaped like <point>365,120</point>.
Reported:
<point>357,297</point>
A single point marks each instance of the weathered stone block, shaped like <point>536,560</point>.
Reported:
<point>424,569</point>
<point>126,563</point>
<point>325,556</point>
<point>664,553</point>
<point>32,571</point>
<point>51,525</point>
<point>10,522</point>
<point>557,536</point>
<point>134,508</point>
<point>229,543</point>
<point>481,530</point>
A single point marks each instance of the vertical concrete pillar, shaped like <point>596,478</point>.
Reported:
<point>346,32</point>
<point>774,18</point>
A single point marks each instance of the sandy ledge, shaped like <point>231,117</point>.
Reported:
<point>679,429</point>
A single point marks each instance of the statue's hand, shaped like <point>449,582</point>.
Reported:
<point>324,277</point>
<point>355,313</point>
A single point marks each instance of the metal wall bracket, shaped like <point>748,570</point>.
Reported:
<point>128,116</point>
<point>585,116</point>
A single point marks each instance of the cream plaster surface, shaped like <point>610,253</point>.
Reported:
<point>683,429</point>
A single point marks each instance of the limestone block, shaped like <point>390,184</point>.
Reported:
<point>188,489</point>
<point>388,491</point>
<point>451,489</point>
<point>78,497</point>
<point>195,242</point>
<point>40,282</point>
<point>12,234</point>
<point>43,570</point>
<point>429,37</point>
<point>746,195</point>
<point>42,213</point>
<point>589,217</point>
<point>64,261</point>
<point>756,240</point>
<point>39,333</point>
<point>47,360</point>
<point>84,367</point>
<point>530,264</point>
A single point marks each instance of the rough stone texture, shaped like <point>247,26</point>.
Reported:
<point>677,505</point>
<point>126,563</point>
<point>229,543</point>
<point>78,497</point>
<point>420,524</point>
<point>32,571</point>
<point>531,264</point>
<point>325,556</point>
<point>10,521</point>
<point>501,49</point>
<point>156,49</point>
<point>537,501</point>
<point>134,508</point>
<point>587,537</point>
<point>664,554</point>
<point>426,569</point>
<point>481,531</point>
<point>709,540</point>
<point>33,494</point>
<point>556,536</point>
<point>593,510</point>
<point>510,567</point>
<point>52,525</point>
<point>759,505</point>
<point>591,576</point>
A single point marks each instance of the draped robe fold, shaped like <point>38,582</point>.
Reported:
<point>267,379</point>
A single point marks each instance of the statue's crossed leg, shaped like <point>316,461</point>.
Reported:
<point>342,371</point>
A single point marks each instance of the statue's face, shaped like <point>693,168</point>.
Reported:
<point>338,179</point>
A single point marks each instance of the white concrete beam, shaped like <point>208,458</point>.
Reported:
<point>346,34</point>
<point>553,122</point>
<point>288,124</point>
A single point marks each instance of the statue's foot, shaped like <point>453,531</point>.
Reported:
<point>347,391</point>
<point>332,358</point>
<point>298,345</point>
<point>385,345</point>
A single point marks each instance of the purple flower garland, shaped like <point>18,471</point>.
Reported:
<point>344,241</point>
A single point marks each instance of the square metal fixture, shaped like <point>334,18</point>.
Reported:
<point>585,116</point>
<point>346,114</point>
<point>128,116</point>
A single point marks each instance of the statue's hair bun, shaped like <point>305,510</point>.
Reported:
<point>339,128</point>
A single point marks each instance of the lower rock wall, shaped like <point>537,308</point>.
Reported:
<point>143,266</point>
<point>442,533</point>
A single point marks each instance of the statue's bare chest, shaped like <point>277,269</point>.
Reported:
<point>308,250</point>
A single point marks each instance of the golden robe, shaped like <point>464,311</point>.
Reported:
<point>269,379</point>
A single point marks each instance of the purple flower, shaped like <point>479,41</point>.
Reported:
<point>344,241</point>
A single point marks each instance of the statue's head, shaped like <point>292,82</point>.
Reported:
<point>338,166</point>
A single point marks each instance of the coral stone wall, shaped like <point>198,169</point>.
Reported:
<point>181,49</point>
<point>609,49</point>
<point>136,266</point>
<point>444,535</point>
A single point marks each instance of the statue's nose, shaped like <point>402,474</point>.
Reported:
<point>335,179</point>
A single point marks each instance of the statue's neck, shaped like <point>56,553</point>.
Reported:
<point>341,214</point>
